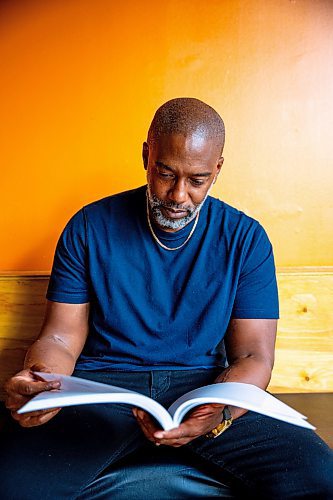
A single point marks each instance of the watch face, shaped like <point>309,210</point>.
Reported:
<point>226,413</point>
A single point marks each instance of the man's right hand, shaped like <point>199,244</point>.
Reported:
<point>22,387</point>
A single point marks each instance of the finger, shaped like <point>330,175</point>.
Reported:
<point>146,423</point>
<point>181,441</point>
<point>31,420</point>
<point>30,388</point>
<point>40,367</point>
<point>174,442</point>
<point>144,430</point>
<point>14,402</point>
<point>33,414</point>
<point>175,437</point>
<point>184,431</point>
<point>205,411</point>
<point>147,420</point>
<point>190,429</point>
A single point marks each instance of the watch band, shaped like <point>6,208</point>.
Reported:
<point>223,426</point>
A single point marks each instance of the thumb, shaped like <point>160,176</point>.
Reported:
<point>40,367</point>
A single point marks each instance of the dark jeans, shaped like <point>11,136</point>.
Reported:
<point>258,456</point>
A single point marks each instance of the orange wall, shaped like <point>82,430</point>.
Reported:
<point>80,80</point>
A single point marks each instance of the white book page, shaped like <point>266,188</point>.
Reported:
<point>238,394</point>
<point>78,391</point>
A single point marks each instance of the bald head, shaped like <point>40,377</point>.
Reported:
<point>187,116</point>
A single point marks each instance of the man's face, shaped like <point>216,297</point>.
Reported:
<point>180,171</point>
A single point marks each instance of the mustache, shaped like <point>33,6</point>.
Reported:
<point>157,203</point>
<point>175,206</point>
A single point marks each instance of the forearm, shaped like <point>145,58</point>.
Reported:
<point>53,353</point>
<point>249,370</point>
<point>61,339</point>
<point>57,348</point>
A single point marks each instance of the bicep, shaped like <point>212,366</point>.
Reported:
<point>66,324</point>
<point>251,338</point>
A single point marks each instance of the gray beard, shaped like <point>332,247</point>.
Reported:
<point>155,205</point>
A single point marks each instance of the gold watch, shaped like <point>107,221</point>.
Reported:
<point>223,426</point>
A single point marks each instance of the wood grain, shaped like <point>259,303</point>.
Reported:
<point>304,348</point>
<point>22,306</point>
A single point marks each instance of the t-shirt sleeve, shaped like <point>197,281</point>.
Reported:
<point>69,281</point>
<point>257,294</point>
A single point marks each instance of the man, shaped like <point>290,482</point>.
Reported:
<point>146,287</point>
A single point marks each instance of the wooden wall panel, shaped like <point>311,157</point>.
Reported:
<point>22,306</point>
<point>304,348</point>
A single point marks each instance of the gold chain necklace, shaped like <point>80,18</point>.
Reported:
<point>159,242</point>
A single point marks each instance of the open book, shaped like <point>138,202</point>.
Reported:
<point>78,391</point>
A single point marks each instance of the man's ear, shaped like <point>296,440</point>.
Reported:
<point>219,167</point>
<point>145,154</point>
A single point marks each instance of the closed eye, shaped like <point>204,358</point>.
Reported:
<point>197,182</point>
<point>165,175</point>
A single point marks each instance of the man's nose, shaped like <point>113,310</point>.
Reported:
<point>178,193</point>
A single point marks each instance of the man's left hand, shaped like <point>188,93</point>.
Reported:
<point>199,422</point>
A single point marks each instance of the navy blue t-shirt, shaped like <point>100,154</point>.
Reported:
<point>152,308</point>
